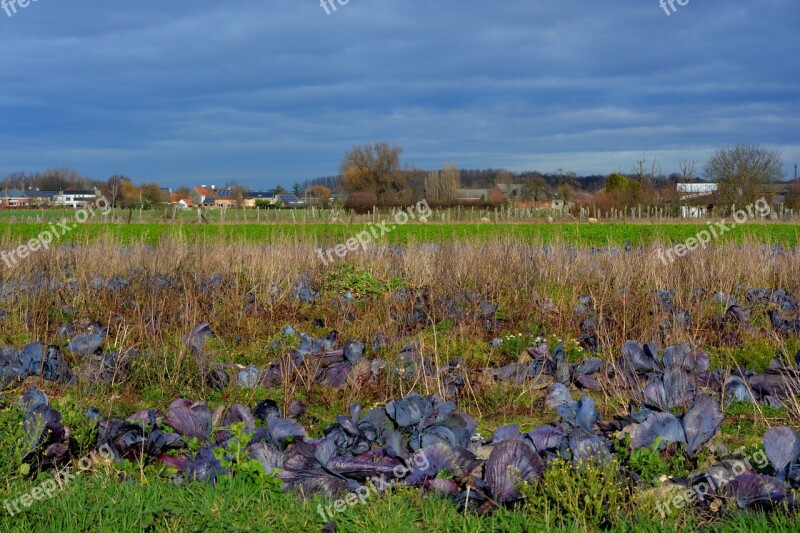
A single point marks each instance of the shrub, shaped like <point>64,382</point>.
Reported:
<point>591,495</point>
<point>12,441</point>
<point>361,202</point>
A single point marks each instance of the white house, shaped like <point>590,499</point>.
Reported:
<point>695,190</point>
<point>75,198</point>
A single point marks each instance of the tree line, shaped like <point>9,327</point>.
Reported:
<point>373,174</point>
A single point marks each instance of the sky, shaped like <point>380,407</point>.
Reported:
<point>270,92</point>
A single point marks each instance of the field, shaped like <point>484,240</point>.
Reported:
<point>499,319</point>
<point>573,233</point>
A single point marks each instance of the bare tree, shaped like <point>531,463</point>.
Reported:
<point>195,197</point>
<point>645,175</point>
<point>432,185</point>
<point>319,195</point>
<point>646,172</point>
<point>374,168</point>
<point>793,195</point>
<point>112,189</point>
<point>451,182</point>
<point>238,193</point>
<point>742,171</point>
<point>537,189</point>
<point>52,179</point>
<point>687,170</point>
<point>152,194</point>
<point>442,185</point>
<point>503,177</point>
<point>182,193</point>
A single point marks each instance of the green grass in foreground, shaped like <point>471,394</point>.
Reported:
<point>103,503</point>
<point>584,234</point>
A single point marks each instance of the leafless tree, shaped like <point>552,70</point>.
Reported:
<point>113,187</point>
<point>374,168</point>
<point>238,193</point>
<point>442,185</point>
<point>742,172</point>
<point>687,170</point>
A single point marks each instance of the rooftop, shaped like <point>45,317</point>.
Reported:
<point>261,194</point>
<point>13,193</point>
<point>288,198</point>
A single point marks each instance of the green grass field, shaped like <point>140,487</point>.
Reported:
<point>573,233</point>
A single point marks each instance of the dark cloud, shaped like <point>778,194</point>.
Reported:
<point>275,91</point>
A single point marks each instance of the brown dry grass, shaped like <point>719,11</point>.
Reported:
<point>517,277</point>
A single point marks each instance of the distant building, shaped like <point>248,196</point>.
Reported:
<point>215,198</point>
<point>41,198</point>
<point>252,197</point>
<point>224,203</point>
<point>74,198</point>
<point>473,195</point>
<point>695,190</point>
<point>225,191</point>
<point>510,191</point>
<point>556,204</point>
<point>205,193</point>
<point>13,198</point>
<point>289,200</point>
<point>502,192</point>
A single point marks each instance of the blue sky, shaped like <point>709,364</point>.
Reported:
<point>275,91</point>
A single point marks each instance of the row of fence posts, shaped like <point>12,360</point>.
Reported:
<point>448,215</point>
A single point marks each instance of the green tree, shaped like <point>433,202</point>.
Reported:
<point>617,182</point>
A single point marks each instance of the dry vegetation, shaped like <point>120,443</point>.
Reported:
<point>430,294</point>
<point>244,292</point>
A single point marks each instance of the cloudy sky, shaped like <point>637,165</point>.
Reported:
<point>275,91</point>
